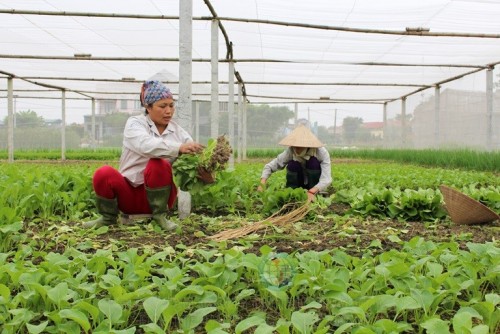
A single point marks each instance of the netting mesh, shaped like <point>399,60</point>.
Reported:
<point>357,54</point>
<point>460,117</point>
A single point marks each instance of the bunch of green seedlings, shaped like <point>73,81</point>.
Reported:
<point>212,159</point>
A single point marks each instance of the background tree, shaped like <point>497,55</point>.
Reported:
<point>351,126</point>
<point>323,135</point>
<point>265,124</point>
<point>408,117</point>
<point>264,120</point>
<point>25,119</point>
<point>116,121</point>
<point>114,124</point>
<point>39,136</point>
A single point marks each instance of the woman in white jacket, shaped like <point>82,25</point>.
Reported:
<point>144,183</point>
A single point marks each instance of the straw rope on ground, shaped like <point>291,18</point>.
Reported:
<point>279,218</point>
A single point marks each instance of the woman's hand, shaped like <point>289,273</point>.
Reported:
<point>191,148</point>
<point>311,194</point>
<point>262,185</point>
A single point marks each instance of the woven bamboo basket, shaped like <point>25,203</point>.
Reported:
<point>465,210</point>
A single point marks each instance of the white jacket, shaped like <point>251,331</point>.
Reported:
<point>142,141</point>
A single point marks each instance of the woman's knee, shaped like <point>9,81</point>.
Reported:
<point>104,173</point>
<point>103,179</point>
<point>313,163</point>
<point>294,166</point>
<point>158,173</point>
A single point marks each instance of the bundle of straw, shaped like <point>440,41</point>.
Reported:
<point>279,218</point>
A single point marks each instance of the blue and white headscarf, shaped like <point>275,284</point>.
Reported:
<point>152,91</point>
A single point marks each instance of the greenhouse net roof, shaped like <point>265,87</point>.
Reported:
<point>344,52</point>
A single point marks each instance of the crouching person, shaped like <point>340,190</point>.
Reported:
<point>307,163</point>
<point>144,182</point>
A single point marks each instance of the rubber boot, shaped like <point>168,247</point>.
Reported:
<point>292,179</point>
<point>158,199</point>
<point>108,208</point>
<point>313,176</point>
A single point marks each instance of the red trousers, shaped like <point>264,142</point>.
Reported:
<point>109,183</point>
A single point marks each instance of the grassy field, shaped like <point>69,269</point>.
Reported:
<point>459,158</point>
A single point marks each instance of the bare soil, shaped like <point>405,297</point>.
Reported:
<point>330,229</point>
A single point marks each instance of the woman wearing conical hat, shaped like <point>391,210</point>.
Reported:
<point>307,163</point>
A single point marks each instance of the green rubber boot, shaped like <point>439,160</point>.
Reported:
<point>158,201</point>
<point>292,180</point>
<point>312,177</point>
<point>108,208</point>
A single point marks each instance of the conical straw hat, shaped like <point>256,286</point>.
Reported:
<point>465,210</point>
<point>301,136</point>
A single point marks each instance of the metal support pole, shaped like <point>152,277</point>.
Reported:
<point>185,112</point>
<point>10,121</point>
<point>335,128</point>
<point>437,113</point>
<point>184,103</point>
<point>63,126</point>
<point>230,111</point>
<point>214,111</point>
<point>386,129</point>
<point>92,136</point>
<point>489,108</point>
<point>244,121</point>
<point>240,122</point>
<point>197,122</point>
<point>403,122</point>
<point>15,111</point>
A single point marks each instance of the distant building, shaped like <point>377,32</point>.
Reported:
<point>126,103</point>
<point>99,126</point>
<point>53,122</point>
<point>335,130</point>
<point>336,133</point>
<point>129,103</point>
<point>376,129</point>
